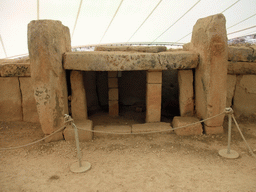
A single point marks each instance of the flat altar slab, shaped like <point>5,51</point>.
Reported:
<point>129,61</point>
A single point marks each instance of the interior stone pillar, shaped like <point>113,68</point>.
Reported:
<point>209,39</point>
<point>47,41</point>
<point>153,96</point>
<point>113,95</point>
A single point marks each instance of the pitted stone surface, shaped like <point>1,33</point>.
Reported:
<point>129,61</point>
<point>241,54</point>
<point>241,68</point>
<point>148,49</point>
<point>15,70</point>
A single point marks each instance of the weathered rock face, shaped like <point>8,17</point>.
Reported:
<point>15,70</point>
<point>148,49</point>
<point>231,84</point>
<point>241,54</point>
<point>245,96</point>
<point>209,39</point>
<point>28,100</point>
<point>78,99</point>
<point>10,99</point>
<point>47,41</point>
<point>186,92</point>
<point>241,68</point>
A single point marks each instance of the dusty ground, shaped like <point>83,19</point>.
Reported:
<point>159,162</point>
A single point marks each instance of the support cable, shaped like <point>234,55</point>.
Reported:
<point>3,45</point>
<point>177,20</point>
<point>242,30</point>
<point>144,20</point>
<point>111,20</point>
<point>242,21</point>
<point>78,12</point>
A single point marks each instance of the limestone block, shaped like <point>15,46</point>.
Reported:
<point>78,98</point>
<point>15,61</point>
<point>209,39</point>
<point>112,74</point>
<point>113,108</point>
<point>186,47</point>
<point>112,82</point>
<point>111,128</point>
<point>149,127</point>
<point>213,130</point>
<point>69,133</point>
<point>10,99</point>
<point>47,41</point>
<point>241,68</point>
<point>240,54</point>
<point>195,129</point>
<point>154,77</point>
<point>28,100</point>
<point>113,94</point>
<point>231,84</point>
<point>148,49</point>
<point>179,59</point>
<point>153,103</point>
<point>129,61</point>
<point>186,92</point>
<point>245,96</point>
<point>15,70</point>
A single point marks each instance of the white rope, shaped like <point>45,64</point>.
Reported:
<point>230,6</point>
<point>242,30</point>
<point>78,12</point>
<point>112,20</point>
<point>242,21</point>
<point>145,20</point>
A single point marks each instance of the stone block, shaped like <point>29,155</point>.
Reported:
<point>113,94</point>
<point>112,82</point>
<point>112,74</point>
<point>28,100</point>
<point>113,108</point>
<point>149,127</point>
<point>241,68</point>
<point>148,49</point>
<point>48,40</point>
<point>231,84</point>
<point>240,54</point>
<point>213,130</point>
<point>209,39</point>
<point>56,137</point>
<point>78,98</point>
<point>69,133</point>
<point>129,61</point>
<point>154,77</point>
<point>112,129</point>
<point>15,70</point>
<point>10,99</point>
<point>245,96</point>
<point>195,129</point>
<point>153,103</point>
<point>186,92</point>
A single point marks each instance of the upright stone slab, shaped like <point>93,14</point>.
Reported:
<point>186,92</point>
<point>78,99</point>
<point>10,99</point>
<point>47,41</point>
<point>209,39</point>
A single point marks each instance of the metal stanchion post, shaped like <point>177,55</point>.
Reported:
<point>228,153</point>
<point>80,166</point>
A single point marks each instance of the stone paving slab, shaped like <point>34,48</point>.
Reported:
<point>129,61</point>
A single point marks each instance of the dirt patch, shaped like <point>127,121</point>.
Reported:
<point>153,162</point>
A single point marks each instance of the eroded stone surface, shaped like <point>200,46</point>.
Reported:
<point>78,98</point>
<point>28,100</point>
<point>195,129</point>
<point>245,96</point>
<point>241,68</point>
<point>129,61</point>
<point>209,39</point>
<point>47,41</point>
<point>148,49</point>
<point>231,84</point>
<point>10,99</point>
<point>186,92</point>
<point>240,54</point>
<point>15,70</point>
<point>213,130</point>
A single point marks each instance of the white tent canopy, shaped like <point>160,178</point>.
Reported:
<point>115,21</point>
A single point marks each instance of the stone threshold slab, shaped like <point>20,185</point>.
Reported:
<point>129,61</point>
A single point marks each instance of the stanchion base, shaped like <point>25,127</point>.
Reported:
<point>75,168</point>
<point>232,155</point>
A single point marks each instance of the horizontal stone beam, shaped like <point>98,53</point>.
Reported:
<point>241,68</point>
<point>242,53</point>
<point>148,49</point>
<point>128,61</point>
<point>15,70</point>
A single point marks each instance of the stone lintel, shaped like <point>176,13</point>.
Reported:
<point>241,54</point>
<point>148,49</point>
<point>129,61</point>
<point>15,70</point>
<point>241,68</point>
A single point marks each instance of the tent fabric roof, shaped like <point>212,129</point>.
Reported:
<point>114,21</point>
